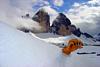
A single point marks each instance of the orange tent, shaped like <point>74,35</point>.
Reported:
<point>73,45</point>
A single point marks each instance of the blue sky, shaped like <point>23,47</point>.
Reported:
<point>66,5</point>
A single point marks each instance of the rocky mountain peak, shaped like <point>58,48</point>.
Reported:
<point>43,19</point>
<point>60,25</point>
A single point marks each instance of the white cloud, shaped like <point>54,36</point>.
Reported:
<point>93,2</point>
<point>11,8</point>
<point>76,4</point>
<point>50,10</point>
<point>40,3</point>
<point>58,2</point>
<point>86,16</point>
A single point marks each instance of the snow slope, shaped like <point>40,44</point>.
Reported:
<point>89,60</point>
<point>58,39</point>
<point>18,49</point>
<point>61,41</point>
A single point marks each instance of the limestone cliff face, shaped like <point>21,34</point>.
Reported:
<point>43,19</point>
<point>63,31</point>
<point>60,25</point>
<point>72,28</point>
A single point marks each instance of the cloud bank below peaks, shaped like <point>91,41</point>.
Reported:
<point>86,16</point>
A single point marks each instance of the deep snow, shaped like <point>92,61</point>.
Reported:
<point>19,49</point>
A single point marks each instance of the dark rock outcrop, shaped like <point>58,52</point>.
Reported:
<point>64,31</point>
<point>99,34</point>
<point>26,16</point>
<point>87,35</point>
<point>60,25</point>
<point>72,28</point>
<point>43,19</point>
<point>24,29</point>
<point>97,37</point>
<point>77,32</point>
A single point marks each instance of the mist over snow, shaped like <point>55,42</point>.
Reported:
<point>12,10</point>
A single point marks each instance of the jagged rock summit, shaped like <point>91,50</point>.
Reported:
<point>60,25</point>
<point>43,19</point>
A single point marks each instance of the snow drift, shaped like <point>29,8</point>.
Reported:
<point>18,49</point>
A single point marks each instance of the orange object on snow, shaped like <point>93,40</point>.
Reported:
<point>73,45</point>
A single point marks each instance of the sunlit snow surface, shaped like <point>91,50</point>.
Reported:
<point>18,49</point>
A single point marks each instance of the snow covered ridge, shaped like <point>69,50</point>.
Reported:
<point>60,41</point>
<point>19,49</point>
